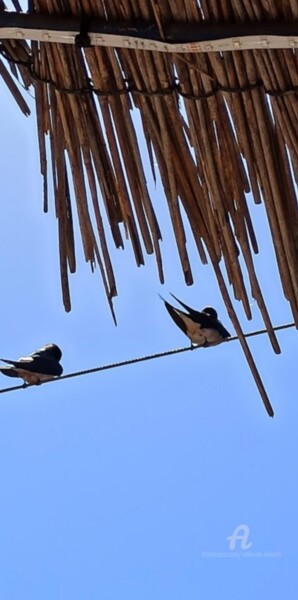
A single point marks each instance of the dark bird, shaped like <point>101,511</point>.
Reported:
<point>41,365</point>
<point>202,327</point>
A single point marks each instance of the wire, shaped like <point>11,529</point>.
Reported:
<point>132,361</point>
<point>175,88</point>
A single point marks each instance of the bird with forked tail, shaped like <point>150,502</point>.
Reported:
<point>202,327</point>
<point>41,365</point>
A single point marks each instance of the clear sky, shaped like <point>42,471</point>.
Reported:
<point>126,484</point>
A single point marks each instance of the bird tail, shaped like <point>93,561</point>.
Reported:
<point>9,371</point>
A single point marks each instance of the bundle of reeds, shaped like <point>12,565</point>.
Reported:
<point>220,125</point>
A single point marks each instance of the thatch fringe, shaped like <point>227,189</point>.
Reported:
<point>228,145</point>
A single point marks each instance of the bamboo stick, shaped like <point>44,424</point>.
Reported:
<point>210,151</point>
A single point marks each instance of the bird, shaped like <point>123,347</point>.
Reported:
<point>41,365</point>
<point>202,327</point>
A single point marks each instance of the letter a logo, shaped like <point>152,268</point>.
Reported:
<point>240,533</point>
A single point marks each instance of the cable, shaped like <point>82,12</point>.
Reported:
<point>175,88</point>
<point>132,361</point>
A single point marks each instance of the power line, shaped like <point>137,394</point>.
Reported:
<point>132,361</point>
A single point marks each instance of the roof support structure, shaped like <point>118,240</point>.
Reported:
<point>141,35</point>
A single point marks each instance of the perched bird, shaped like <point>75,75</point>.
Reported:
<point>203,328</point>
<point>39,366</point>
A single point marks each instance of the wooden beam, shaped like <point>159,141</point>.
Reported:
<point>140,35</point>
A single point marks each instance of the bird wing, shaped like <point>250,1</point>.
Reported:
<point>25,359</point>
<point>205,320</point>
<point>191,327</point>
<point>177,316</point>
<point>201,318</point>
<point>44,366</point>
<point>191,311</point>
<point>221,329</point>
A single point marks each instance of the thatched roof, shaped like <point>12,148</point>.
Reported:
<point>220,125</point>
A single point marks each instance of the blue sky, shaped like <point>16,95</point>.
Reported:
<point>127,483</point>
